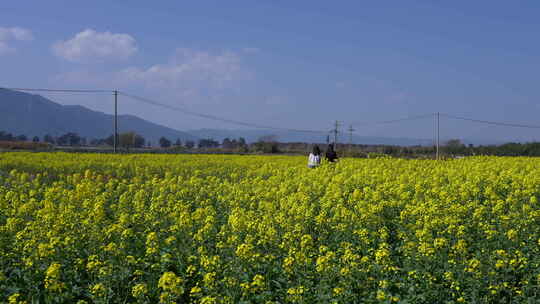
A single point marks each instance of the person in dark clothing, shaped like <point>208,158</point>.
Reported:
<point>331,155</point>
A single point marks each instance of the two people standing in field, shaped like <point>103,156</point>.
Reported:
<point>314,159</point>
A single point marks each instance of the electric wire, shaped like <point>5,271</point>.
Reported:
<point>58,90</point>
<point>258,126</point>
<point>417,117</point>
<point>213,117</point>
<point>505,124</point>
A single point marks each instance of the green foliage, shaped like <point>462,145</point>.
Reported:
<point>129,140</point>
<point>164,142</point>
<point>377,155</point>
<point>88,228</point>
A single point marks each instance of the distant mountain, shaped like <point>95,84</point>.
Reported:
<point>34,115</point>
<point>287,136</point>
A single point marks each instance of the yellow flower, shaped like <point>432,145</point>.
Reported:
<point>170,240</point>
<point>258,283</point>
<point>226,222</point>
<point>337,291</point>
<point>93,263</point>
<point>244,250</point>
<point>52,278</point>
<point>512,235</point>
<point>111,247</point>
<point>381,255</point>
<point>473,265</point>
<point>306,241</point>
<point>53,271</point>
<point>296,291</point>
<point>14,299</point>
<point>208,300</point>
<point>195,290</point>
<point>166,298</point>
<point>139,290</point>
<point>171,283</point>
<point>209,279</point>
<point>439,242</point>
<point>152,243</point>
<point>99,290</point>
<point>381,296</point>
<point>288,263</point>
<point>191,269</point>
<point>131,260</point>
<point>345,271</point>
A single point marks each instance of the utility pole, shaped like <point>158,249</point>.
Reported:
<point>438,135</point>
<point>115,119</point>
<point>351,130</point>
<point>336,131</point>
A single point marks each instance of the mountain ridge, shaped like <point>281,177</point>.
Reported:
<point>35,115</point>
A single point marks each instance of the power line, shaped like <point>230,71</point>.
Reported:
<point>153,102</point>
<point>213,117</point>
<point>247,124</point>
<point>58,90</point>
<point>505,124</point>
<point>417,117</point>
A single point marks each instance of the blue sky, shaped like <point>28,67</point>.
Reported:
<point>297,64</point>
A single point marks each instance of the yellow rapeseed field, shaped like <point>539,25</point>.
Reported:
<point>82,228</point>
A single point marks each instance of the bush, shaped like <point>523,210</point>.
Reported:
<point>24,145</point>
<point>377,155</point>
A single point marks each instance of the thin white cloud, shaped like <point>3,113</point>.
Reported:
<point>190,76</point>
<point>190,69</point>
<point>89,45</point>
<point>15,33</point>
<point>11,34</point>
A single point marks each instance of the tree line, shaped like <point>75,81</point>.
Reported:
<point>451,148</point>
<point>125,140</point>
<point>270,144</point>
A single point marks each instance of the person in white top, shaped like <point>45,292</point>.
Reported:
<point>314,159</point>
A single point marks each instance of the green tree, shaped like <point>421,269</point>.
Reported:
<point>131,140</point>
<point>126,140</point>
<point>69,139</point>
<point>49,139</point>
<point>208,143</point>
<point>164,142</point>
<point>454,146</point>
<point>227,143</point>
<point>267,144</point>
